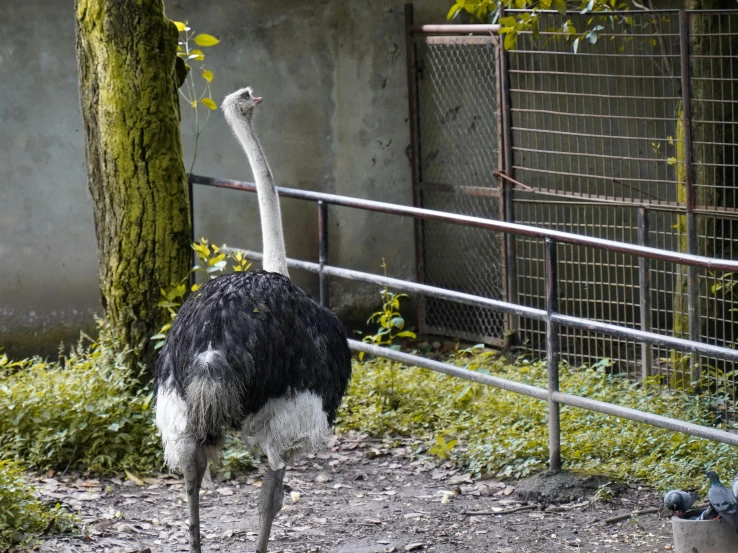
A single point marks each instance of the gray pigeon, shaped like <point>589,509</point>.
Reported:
<point>722,500</point>
<point>707,514</point>
<point>679,501</point>
<point>735,486</point>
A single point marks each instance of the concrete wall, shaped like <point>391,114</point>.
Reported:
<point>334,119</point>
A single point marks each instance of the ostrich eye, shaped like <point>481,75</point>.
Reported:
<point>248,95</point>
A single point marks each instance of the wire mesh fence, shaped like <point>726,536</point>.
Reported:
<point>599,136</point>
<point>600,122</point>
<point>459,145</point>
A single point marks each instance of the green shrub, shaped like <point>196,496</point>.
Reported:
<point>506,434</point>
<point>22,516</point>
<point>86,410</point>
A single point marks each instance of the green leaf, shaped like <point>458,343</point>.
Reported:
<point>206,40</point>
<point>196,55</point>
<point>209,103</point>
<point>208,76</point>
<point>559,6</point>
<point>453,12</point>
<point>511,40</point>
<point>397,322</point>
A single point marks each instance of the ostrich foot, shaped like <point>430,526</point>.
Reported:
<point>270,503</point>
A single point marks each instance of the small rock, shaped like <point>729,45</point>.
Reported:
<point>413,546</point>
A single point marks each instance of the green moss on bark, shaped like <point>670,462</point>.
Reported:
<point>126,55</point>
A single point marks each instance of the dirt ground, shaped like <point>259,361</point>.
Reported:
<point>361,496</point>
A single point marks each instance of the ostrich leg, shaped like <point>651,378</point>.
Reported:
<point>194,464</point>
<point>270,503</point>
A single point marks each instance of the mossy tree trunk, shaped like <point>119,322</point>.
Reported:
<point>126,57</point>
<point>713,122</point>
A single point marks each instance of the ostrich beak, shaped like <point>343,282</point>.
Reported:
<point>257,99</point>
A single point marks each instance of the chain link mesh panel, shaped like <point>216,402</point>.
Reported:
<point>457,97</point>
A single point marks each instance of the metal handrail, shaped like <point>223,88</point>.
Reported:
<point>490,224</point>
<point>550,315</point>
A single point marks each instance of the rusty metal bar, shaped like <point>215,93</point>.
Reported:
<point>407,286</point>
<point>602,13</point>
<point>588,95</point>
<point>191,196</point>
<point>463,40</point>
<point>323,252</point>
<point>598,75</point>
<point>478,29</point>
<point>693,285</point>
<point>507,184</point>
<point>552,357</point>
<point>560,397</point>
<point>644,290</point>
<point>410,55</point>
<point>490,224</point>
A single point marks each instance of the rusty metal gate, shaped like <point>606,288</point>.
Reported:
<point>586,142</point>
<point>455,99</point>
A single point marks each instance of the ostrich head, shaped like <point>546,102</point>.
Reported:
<point>240,104</point>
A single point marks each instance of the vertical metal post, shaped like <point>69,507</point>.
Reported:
<point>507,186</point>
<point>191,201</point>
<point>414,155</point>
<point>693,285</point>
<point>552,357</point>
<point>323,251</point>
<point>644,281</point>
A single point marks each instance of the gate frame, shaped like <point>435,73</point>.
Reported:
<point>503,191</point>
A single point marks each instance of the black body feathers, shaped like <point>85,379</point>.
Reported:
<point>254,336</point>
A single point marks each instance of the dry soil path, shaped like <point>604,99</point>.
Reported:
<point>360,497</point>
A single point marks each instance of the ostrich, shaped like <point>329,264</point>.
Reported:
<point>250,351</point>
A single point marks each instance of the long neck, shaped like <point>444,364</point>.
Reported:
<point>275,255</point>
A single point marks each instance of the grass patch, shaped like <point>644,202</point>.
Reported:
<point>22,516</point>
<point>506,434</point>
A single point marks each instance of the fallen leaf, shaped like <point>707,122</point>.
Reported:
<point>135,479</point>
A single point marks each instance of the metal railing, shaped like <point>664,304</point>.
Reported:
<point>553,319</point>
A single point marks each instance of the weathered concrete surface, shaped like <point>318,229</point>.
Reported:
<point>334,119</point>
